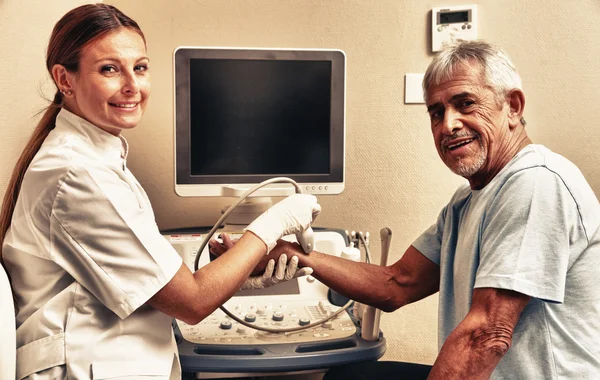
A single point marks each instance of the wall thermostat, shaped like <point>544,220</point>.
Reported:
<point>448,24</point>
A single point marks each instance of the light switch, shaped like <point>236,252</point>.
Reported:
<point>413,90</point>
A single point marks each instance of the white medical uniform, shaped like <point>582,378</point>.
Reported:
<point>84,255</point>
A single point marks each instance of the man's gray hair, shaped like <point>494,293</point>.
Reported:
<point>499,72</point>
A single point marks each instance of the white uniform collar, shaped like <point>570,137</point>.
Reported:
<point>112,148</point>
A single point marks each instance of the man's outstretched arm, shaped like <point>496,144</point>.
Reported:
<point>410,279</point>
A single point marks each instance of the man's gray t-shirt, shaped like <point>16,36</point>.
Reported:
<point>533,229</point>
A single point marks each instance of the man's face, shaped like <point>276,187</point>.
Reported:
<point>470,128</point>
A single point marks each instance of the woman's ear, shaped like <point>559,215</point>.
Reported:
<point>63,79</point>
<point>516,105</point>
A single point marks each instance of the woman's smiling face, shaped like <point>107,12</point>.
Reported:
<point>112,85</point>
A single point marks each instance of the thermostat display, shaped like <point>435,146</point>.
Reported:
<point>453,23</point>
<point>453,17</point>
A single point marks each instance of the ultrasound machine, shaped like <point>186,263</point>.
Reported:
<point>243,116</point>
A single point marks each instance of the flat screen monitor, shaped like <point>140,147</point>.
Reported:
<point>246,115</point>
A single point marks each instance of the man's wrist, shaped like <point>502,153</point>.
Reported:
<point>305,260</point>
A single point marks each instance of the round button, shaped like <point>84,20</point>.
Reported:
<point>304,321</point>
<point>464,27</point>
<point>440,28</point>
<point>469,26</point>
<point>310,279</point>
<point>277,317</point>
<point>225,325</point>
<point>250,318</point>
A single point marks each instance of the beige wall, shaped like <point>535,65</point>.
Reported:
<point>25,27</point>
<point>394,177</point>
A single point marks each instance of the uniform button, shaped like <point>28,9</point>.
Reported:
<point>250,318</point>
<point>304,321</point>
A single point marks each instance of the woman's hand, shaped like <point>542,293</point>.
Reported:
<point>273,274</point>
<point>291,215</point>
<point>283,247</point>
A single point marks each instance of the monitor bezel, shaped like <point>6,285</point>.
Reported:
<point>215,185</point>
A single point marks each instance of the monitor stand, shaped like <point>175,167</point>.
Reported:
<point>250,209</point>
<point>256,202</point>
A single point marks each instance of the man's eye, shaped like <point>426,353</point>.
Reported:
<point>108,69</point>
<point>437,114</point>
<point>466,103</point>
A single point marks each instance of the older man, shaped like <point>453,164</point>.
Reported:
<point>515,254</point>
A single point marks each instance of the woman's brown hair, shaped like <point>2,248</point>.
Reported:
<point>70,35</point>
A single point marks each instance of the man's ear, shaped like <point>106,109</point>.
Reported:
<point>63,79</point>
<point>516,105</point>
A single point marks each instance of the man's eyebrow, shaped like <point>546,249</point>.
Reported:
<point>460,96</point>
<point>433,106</point>
<point>453,99</point>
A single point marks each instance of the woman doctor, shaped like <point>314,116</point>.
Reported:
<point>95,283</point>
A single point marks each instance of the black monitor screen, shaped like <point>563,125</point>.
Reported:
<point>259,117</point>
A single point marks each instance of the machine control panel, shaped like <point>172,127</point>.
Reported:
<point>219,328</point>
<point>295,303</point>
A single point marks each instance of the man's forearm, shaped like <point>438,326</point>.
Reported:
<point>410,279</point>
<point>463,357</point>
<point>362,282</point>
<point>478,343</point>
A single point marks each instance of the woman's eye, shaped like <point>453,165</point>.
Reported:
<point>142,67</point>
<point>108,69</point>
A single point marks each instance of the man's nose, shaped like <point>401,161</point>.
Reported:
<point>452,121</point>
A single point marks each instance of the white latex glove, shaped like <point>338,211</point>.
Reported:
<point>285,272</point>
<point>292,215</point>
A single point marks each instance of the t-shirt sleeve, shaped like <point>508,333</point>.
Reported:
<point>526,234</point>
<point>103,233</point>
<point>429,243</point>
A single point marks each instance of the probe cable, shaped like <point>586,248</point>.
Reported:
<point>216,226</point>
